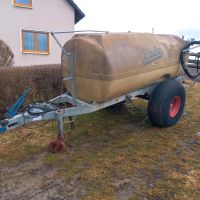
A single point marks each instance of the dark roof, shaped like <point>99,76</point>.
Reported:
<point>78,13</point>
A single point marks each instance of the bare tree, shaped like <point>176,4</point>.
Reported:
<point>6,55</point>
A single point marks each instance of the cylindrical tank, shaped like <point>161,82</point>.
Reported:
<point>109,65</point>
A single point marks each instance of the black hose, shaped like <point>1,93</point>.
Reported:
<point>183,55</point>
<point>43,108</point>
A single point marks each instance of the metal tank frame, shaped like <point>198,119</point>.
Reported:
<point>35,113</point>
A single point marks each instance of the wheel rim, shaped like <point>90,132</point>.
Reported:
<point>174,106</point>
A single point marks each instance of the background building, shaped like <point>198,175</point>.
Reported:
<point>25,26</point>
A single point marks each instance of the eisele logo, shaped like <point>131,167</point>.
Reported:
<point>152,55</point>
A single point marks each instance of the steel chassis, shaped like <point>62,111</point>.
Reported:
<point>78,108</point>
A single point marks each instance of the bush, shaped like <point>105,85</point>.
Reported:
<point>6,55</point>
<point>45,81</point>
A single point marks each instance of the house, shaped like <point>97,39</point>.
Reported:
<point>25,27</point>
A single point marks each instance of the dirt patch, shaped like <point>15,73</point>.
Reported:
<point>32,179</point>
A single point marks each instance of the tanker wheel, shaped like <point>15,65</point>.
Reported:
<point>167,103</point>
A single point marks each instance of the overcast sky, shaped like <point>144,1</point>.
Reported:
<point>170,16</point>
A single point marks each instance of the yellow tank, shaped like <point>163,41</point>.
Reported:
<point>109,65</point>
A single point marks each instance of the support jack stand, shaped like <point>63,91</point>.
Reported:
<point>57,145</point>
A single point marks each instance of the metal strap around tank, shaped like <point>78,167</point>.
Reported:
<point>71,78</point>
<point>71,65</point>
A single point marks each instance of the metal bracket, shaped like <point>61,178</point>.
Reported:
<point>70,55</point>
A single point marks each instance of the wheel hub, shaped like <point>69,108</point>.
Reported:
<point>174,106</point>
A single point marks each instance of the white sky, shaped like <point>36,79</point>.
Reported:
<point>169,16</point>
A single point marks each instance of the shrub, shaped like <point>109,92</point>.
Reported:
<point>6,55</point>
<point>45,81</point>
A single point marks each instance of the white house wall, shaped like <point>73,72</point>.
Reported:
<point>46,15</point>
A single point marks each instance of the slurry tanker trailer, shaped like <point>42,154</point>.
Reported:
<point>102,69</point>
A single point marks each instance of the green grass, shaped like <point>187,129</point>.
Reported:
<point>113,151</point>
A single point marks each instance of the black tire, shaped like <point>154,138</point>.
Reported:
<point>167,103</point>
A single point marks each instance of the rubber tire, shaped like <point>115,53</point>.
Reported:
<point>160,100</point>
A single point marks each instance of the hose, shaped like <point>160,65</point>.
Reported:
<point>183,57</point>
<point>38,109</point>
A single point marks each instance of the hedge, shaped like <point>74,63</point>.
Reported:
<point>45,82</point>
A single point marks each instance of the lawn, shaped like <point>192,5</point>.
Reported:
<point>111,154</point>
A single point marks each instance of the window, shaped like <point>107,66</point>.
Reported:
<point>35,42</point>
<point>23,3</point>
